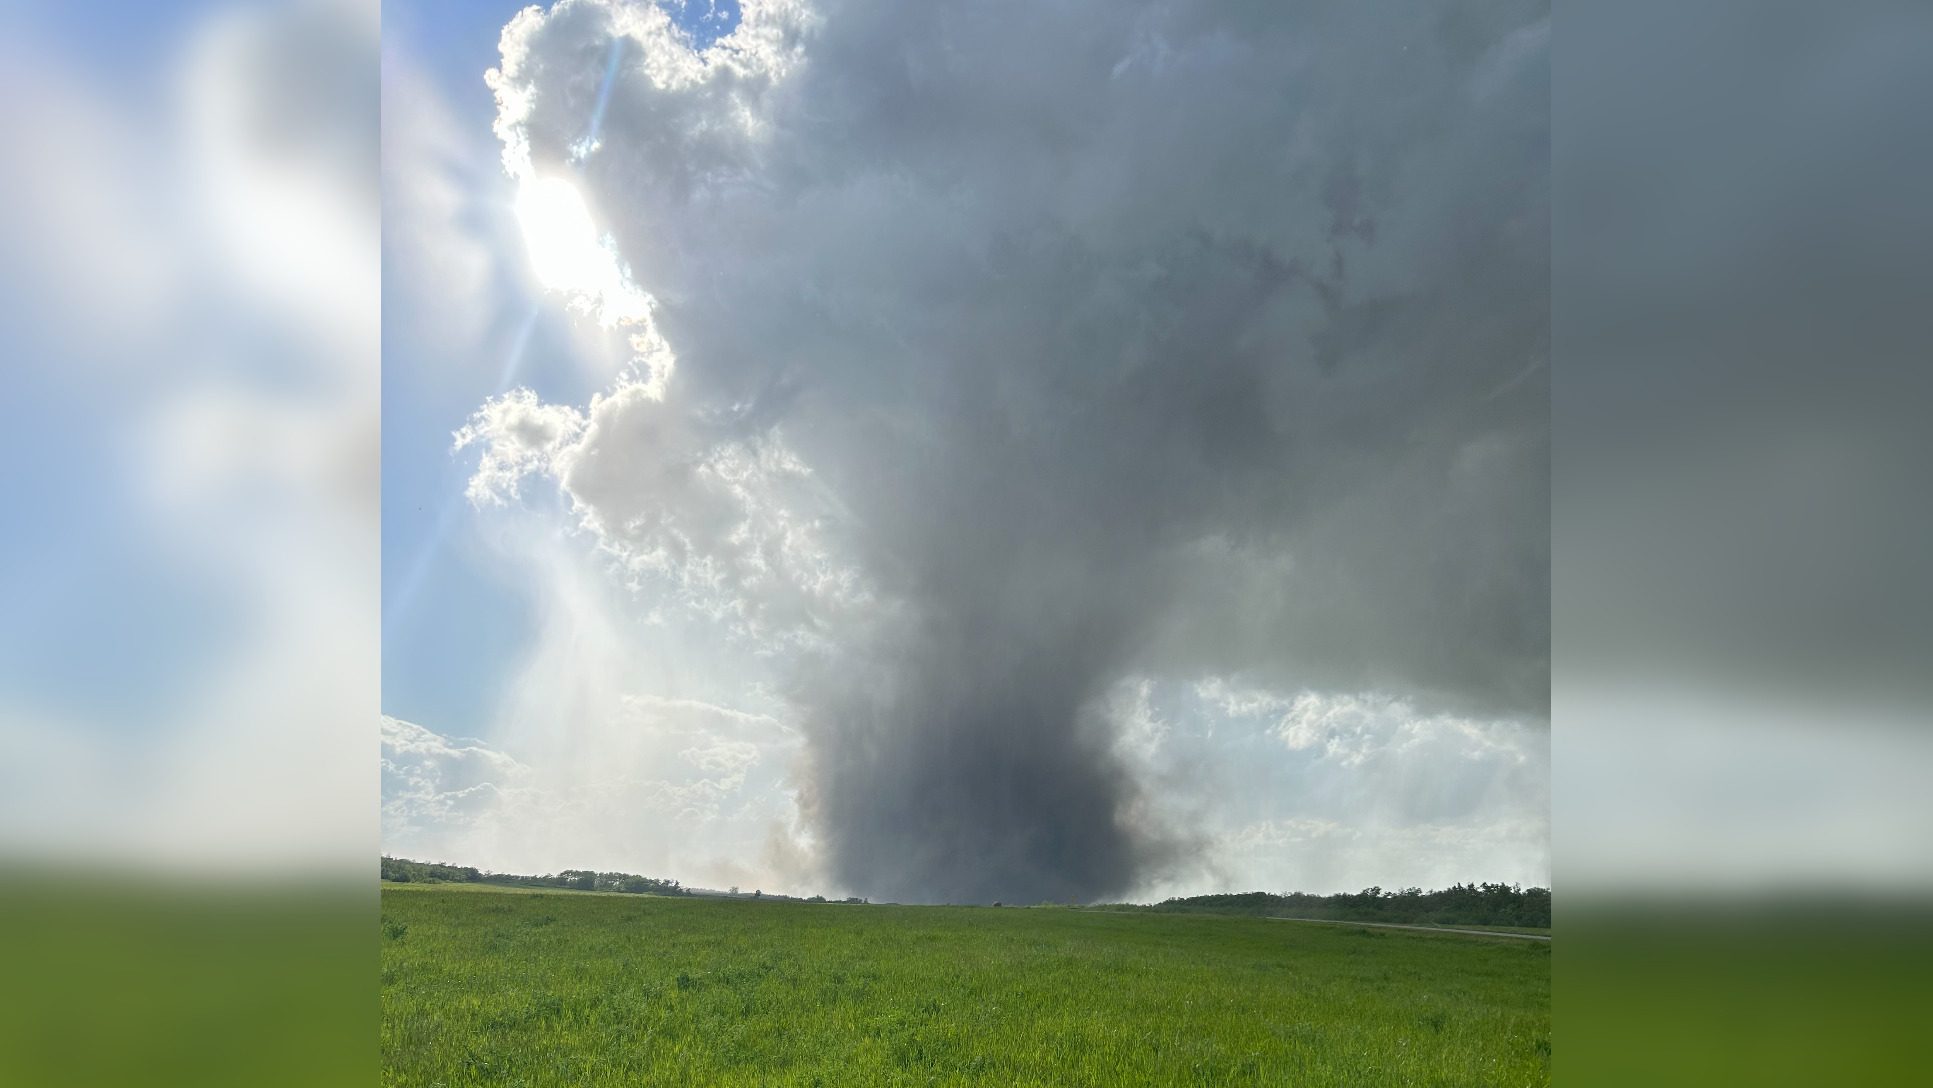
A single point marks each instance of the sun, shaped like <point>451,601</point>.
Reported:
<point>560,237</point>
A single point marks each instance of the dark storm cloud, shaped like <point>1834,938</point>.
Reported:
<point>1746,239</point>
<point>1128,340</point>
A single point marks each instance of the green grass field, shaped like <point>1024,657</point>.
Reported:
<point>487,987</point>
<point>140,979</point>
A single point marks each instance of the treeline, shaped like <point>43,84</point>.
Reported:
<point>1456,905</point>
<point>405,871</point>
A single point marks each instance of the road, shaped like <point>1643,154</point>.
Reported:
<point>1424,929</point>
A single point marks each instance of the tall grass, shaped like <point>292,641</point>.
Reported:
<point>554,989</point>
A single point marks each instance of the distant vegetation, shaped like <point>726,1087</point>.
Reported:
<point>404,871</point>
<point>1456,905</point>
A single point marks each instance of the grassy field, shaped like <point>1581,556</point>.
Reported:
<point>1767,994</point>
<point>1526,931</point>
<point>487,987</point>
<point>140,979</point>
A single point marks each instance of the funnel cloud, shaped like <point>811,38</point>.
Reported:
<point>1026,351</point>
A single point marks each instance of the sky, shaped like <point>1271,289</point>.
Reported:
<point>1081,450</point>
<point>189,564</point>
<point>1016,452</point>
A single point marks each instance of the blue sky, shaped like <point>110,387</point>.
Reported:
<point>190,562</point>
<point>444,641</point>
<point>452,623</point>
<point>98,624</point>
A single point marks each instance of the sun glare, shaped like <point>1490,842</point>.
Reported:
<point>560,237</point>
